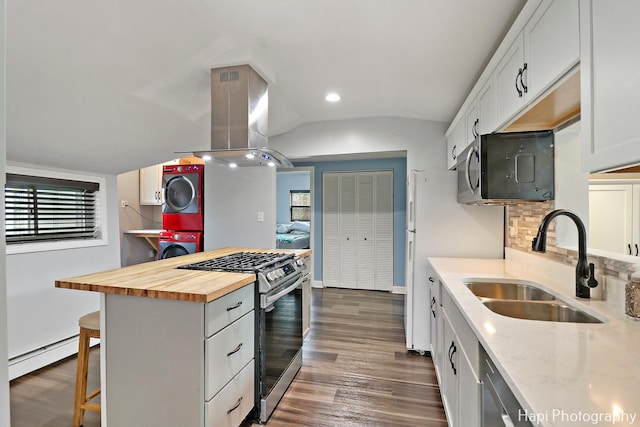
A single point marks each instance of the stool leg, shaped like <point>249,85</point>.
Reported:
<point>81,378</point>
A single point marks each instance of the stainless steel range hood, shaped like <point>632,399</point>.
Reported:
<point>239,120</point>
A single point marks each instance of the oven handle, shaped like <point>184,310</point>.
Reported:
<point>267,299</point>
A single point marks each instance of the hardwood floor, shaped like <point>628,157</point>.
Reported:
<point>356,369</point>
<point>44,398</point>
<point>356,372</point>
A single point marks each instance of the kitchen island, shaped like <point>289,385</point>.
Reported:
<point>562,374</point>
<point>177,346</point>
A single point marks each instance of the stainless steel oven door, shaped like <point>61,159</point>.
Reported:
<point>280,348</point>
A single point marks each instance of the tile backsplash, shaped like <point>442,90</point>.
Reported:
<point>522,224</point>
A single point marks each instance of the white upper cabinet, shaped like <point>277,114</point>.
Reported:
<point>510,89</point>
<point>610,84</point>
<point>551,44</point>
<point>456,142</point>
<point>151,185</point>
<point>487,108</point>
<point>546,49</point>
<point>472,120</point>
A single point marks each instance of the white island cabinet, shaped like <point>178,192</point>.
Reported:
<point>610,84</point>
<point>179,363</point>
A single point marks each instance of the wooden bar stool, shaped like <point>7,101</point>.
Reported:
<point>89,328</point>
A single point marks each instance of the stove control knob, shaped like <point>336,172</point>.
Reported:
<point>271,276</point>
<point>300,261</point>
<point>280,272</point>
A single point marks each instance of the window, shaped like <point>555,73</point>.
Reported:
<point>39,208</point>
<point>300,205</point>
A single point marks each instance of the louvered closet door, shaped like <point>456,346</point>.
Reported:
<point>383,226</point>
<point>330,229</point>
<point>365,226</point>
<point>348,255</point>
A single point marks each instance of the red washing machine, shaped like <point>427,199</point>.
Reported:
<point>177,243</point>
<point>183,189</point>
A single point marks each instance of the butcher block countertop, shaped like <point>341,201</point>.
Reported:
<point>161,279</point>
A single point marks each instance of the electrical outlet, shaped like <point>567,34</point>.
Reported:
<point>124,203</point>
<point>260,216</point>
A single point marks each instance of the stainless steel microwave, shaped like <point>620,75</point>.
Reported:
<point>503,168</point>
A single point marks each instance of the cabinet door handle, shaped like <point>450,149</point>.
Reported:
<point>235,350</point>
<point>517,77</point>
<point>233,307</point>
<point>451,353</point>
<point>629,246</point>
<point>365,238</point>
<point>431,279</point>
<point>524,86</point>
<point>636,249</point>
<point>433,302</point>
<point>236,406</point>
<point>453,152</point>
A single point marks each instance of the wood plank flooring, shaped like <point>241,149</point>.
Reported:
<point>356,369</point>
<point>356,372</point>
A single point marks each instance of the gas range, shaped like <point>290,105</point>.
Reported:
<point>278,307</point>
<point>272,269</point>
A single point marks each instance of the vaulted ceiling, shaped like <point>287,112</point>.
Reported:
<point>112,86</point>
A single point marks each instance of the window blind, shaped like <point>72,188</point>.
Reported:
<point>43,209</point>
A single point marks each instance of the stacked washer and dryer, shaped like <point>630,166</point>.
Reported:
<point>182,210</point>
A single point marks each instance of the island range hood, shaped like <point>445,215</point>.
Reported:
<point>239,120</point>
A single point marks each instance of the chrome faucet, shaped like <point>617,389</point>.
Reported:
<point>585,279</point>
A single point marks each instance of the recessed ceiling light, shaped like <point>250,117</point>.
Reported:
<point>206,157</point>
<point>233,165</point>
<point>332,97</point>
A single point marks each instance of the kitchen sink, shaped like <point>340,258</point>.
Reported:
<point>508,291</point>
<point>540,310</point>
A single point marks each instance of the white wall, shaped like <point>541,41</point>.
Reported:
<point>571,185</point>
<point>285,182</point>
<point>232,200</point>
<point>423,140</point>
<point>135,250</point>
<point>5,419</point>
<point>39,314</point>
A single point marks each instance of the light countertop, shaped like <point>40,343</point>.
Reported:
<point>566,374</point>
<point>161,279</point>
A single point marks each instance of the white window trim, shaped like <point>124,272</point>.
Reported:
<point>21,248</point>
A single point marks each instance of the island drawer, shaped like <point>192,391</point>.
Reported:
<point>229,308</point>
<point>227,352</point>
<point>234,402</point>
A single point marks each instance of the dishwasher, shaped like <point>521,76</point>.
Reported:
<point>499,406</point>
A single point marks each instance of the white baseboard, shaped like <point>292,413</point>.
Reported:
<point>317,284</point>
<point>29,362</point>
<point>399,290</point>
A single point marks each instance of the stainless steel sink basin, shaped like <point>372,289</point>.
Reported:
<point>540,310</point>
<point>508,291</point>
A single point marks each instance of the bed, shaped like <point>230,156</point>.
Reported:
<point>294,235</point>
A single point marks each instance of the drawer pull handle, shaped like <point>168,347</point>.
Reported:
<point>236,406</point>
<point>235,306</point>
<point>235,350</point>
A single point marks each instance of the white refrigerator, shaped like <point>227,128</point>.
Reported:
<point>438,226</point>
